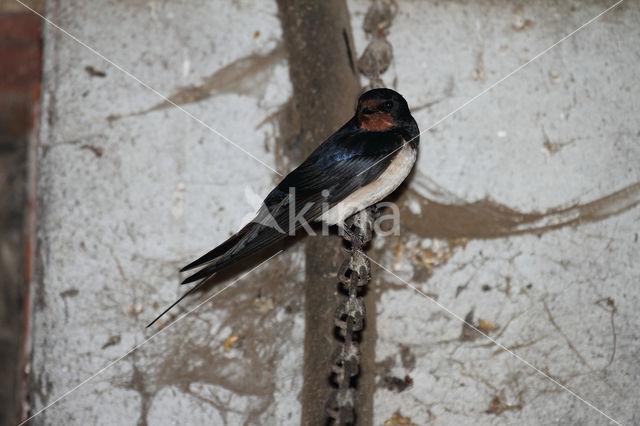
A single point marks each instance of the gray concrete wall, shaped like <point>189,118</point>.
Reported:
<point>510,214</point>
<point>131,190</point>
<point>523,208</point>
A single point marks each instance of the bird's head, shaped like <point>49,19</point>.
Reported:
<point>380,110</point>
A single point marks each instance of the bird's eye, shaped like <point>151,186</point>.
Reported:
<point>387,105</point>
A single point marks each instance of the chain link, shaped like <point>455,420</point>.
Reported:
<point>378,54</point>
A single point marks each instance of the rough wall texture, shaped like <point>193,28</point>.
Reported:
<point>130,190</point>
<point>523,208</point>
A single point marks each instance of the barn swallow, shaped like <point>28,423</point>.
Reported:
<point>357,166</point>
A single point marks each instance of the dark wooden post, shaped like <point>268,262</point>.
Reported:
<point>326,86</point>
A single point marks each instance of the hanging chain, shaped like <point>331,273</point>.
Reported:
<point>378,54</point>
<point>353,275</point>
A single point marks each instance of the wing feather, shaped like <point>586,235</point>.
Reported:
<point>345,162</point>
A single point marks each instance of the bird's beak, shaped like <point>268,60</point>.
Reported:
<point>367,110</point>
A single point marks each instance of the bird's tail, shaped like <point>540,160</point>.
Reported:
<point>248,240</point>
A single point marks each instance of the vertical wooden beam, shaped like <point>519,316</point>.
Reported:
<point>325,89</point>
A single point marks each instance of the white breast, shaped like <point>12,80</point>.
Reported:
<point>370,194</point>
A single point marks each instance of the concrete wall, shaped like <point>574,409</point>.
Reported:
<point>510,214</point>
<point>523,208</point>
<point>131,190</point>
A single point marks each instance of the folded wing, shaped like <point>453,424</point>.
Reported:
<point>337,168</point>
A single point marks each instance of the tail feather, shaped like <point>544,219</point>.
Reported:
<point>176,302</point>
<point>250,242</point>
<point>218,251</point>
<point>203,273</point>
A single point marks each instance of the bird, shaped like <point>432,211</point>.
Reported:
<point>357,166</point>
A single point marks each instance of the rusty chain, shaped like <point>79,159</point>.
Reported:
<point>354,274</point>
